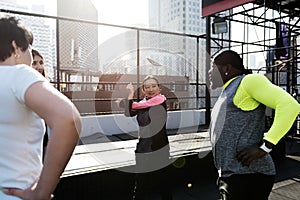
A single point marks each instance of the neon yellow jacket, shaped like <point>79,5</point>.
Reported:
<point>255,89</point>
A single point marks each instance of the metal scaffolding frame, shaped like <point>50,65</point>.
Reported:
<point>264,14</point>
<point>257,14</point>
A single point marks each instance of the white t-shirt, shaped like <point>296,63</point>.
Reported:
<point>21,131</point>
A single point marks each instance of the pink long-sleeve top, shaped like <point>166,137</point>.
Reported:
<point>145,103</point>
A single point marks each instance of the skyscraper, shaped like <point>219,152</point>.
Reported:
<point>43,32</point>
<point>176,15</point>
<point>78,41</point>
<point>183,16</point>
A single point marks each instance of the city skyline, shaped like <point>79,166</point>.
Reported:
<point>130,13</point>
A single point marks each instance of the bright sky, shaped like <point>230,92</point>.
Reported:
<point>123,12</point>
<point>120,12</point>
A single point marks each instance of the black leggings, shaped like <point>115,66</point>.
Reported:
<point>152,180</point>
<point>246,186</point>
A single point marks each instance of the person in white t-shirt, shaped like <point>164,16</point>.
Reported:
<point>25,92</point>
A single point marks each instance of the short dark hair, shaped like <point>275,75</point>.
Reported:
<point>232,58</point>
<point>11,29</point>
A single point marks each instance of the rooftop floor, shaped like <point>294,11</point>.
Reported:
<point>98,171</point>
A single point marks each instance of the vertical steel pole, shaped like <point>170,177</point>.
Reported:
<point>138,64</point>
<point>207,67</point>
<point>57,56</point>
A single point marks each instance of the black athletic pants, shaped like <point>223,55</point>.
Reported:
<point>245,186</point>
